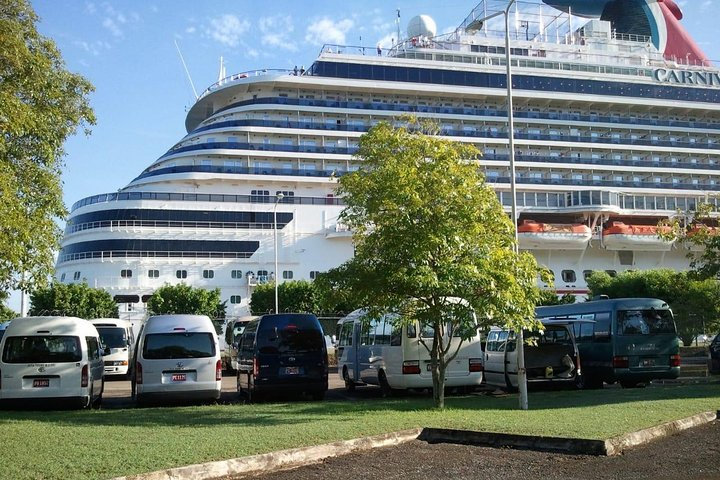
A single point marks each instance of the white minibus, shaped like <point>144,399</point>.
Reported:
<point>177,357</point>
<point>379,351</point>
<point>118,340</point>
<point>51,359</point>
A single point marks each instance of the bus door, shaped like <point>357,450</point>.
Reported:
<point>347,348</point>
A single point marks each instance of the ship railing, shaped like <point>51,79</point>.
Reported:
<point>164,225</point>
<point>110,255</point>
<point>237,77</point>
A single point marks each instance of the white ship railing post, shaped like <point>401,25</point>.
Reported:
<point>278,198</point>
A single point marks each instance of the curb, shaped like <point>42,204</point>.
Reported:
<point>615,446</point>
<point>281,460</point>
<point>296,457</point>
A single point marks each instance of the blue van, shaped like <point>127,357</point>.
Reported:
<point>282,353</point>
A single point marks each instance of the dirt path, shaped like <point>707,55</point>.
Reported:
<point>692,454</point>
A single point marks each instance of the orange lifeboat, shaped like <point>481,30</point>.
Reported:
<point>699,230</point>
<point>533,235</point>
<point>620,236</point>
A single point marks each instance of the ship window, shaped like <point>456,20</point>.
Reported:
<point>208,273</point>
<point>612,273</point>
<point>236,274</point>
<point>181,273</point>
<point>62,277</point>
<point>76,276</point>
<point>287,274</point>
<point>153,273</point>
<point>314,274</point>
<point>235,299</point>
<point>568,276</point>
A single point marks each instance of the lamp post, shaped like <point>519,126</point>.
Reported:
<point>278,198</point>
<point>522,373</point>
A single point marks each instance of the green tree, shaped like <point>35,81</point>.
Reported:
<point>5,312</point>
<point>74,300</point>
<point>426,228</point>
<point>41,104</point>
<point>295,296</point>
<point>550,297</point>
<point>695,302</point>
<point>182,298</point>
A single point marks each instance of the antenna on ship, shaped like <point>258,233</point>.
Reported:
<point>187,72</point>
<point>397,21</point>
<point>222,73</point>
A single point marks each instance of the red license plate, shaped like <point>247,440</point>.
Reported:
<point>179,377</point>
<point>41,382</point>
<point>292,370</point>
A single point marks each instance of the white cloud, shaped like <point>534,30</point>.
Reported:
<point>227,29</point>
<point>326,30</point>
<point>93,48</point>
<point>275,32</point>
<point>190,30</point>
<point>112,27</point>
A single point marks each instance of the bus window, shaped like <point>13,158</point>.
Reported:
<point>396,335</point>
<point>367,332</point>
<point>602,327</point>
<point>346,332</point>
<point>644,322</point>
<point>381,333</point>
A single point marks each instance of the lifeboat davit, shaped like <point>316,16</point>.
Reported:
<point>563,236</point>
<point>620,236</point>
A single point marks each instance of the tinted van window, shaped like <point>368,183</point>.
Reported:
<point>645,322</point>
<point>45,349</point>
<point>178,345</point>
<point>292,333</point>
<point>113,337</point>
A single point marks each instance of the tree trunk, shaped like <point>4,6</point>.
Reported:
<point>438,369</point>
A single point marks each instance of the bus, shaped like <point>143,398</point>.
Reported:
<point>381,351</point>
<point>631,341</point>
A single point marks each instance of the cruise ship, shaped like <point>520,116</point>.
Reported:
<point>616,126</point>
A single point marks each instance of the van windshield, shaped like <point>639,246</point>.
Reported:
<point>292,334</point>
<point>160,346</point>
<point>42,349</point>
<point>113,337</point>
<point>645,322</point>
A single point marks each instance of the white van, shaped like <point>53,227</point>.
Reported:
<point>118,340</point>
<point>378,352</point>
<point>178,356</point>
<point>46,359</point>
<point>551,357</point>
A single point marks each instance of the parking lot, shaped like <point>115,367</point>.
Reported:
<point>117,391</point>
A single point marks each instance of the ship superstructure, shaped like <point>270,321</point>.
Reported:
<point>614,130</point>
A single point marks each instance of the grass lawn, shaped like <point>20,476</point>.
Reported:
<point>109,443</point>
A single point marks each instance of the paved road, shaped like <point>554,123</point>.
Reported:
<point>117,392</point>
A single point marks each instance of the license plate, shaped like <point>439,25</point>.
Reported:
<point>292,370</point>
<point>41,382</point>
<point>179,377</point>
<point>648,362</point>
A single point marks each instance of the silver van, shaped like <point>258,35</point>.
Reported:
<point>48,360</point>
<point>177,357</point>
<point>551,356</point>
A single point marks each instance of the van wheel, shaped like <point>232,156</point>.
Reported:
<point>385,387</point>
<point>349,384</point>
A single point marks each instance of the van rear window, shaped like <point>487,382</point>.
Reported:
<point>42,349</point>
<point>291,334</point>
<point>645,322</point>
<point>160,346</point>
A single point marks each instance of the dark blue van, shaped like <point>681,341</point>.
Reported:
<point>283,353</point>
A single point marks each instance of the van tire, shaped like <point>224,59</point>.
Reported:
<point>349,384</point>
<point>385,387</point>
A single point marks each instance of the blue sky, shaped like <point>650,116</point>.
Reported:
<point>127,50</point>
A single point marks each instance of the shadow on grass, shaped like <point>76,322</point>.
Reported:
<point>300,412</point>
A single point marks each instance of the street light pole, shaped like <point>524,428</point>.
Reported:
<point>522,374</point>
<point>278,198</point>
